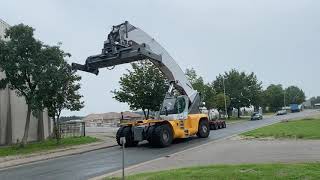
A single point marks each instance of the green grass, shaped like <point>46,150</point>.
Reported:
<point>45,145</point>
<point>300,129</point>
<point>236,119</point>
<point>269,113</point>
<point>237,172</point>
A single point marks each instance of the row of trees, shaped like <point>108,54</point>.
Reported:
<point>39,73</point>
<point>144,88</point>
<point>232,89</point>
<point>275,96</point>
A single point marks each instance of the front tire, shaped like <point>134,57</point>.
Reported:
<point>203,129</point>
<point>162,136</point>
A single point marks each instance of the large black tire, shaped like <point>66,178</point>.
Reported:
<point>203,129</point>
<point>119,135</point>
<point>215,126</point>
<point>162,136</point>
<point>219,125</point>
<point>224,125</point>
<point>212,127</point>
<point>149,133</point>
<point>127,133</point>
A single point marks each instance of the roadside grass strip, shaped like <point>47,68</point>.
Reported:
<point>232,120</point>
<point>49,144</point>
<point>299,129</point>
<point>308,171</point>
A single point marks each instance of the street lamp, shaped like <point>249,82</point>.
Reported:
<point>225,100</point>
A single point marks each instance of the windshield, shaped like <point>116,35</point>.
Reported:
<point>173,106</point>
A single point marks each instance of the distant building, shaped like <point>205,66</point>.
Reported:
<point>307,104</point>
<point>110,118</point>
<point>13,111</point>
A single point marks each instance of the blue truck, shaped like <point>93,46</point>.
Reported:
<point>294,108</point>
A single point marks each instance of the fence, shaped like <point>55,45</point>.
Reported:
<point>72,129</point>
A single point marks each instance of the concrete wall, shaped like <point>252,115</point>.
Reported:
<point>13,111</point>
<point>4,100</point>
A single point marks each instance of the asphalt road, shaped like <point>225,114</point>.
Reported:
<point>95,163</point>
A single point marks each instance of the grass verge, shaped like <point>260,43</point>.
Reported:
<point>239,172</point>
<point>236,119</point>
<point>300,129</point>
<point>45,145</point>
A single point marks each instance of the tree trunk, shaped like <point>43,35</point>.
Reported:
<point>40,127</point>
<point>9,121</point>
<point>238,112</point>
<point>26,128</point>
<point>144,112</point>
<point>56,130</point>
<point>147,114</point>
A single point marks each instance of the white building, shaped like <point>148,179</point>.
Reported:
<point>13,111</point>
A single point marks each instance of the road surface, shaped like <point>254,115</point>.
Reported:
<point>95,163</point>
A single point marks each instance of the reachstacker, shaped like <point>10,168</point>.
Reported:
<point>179,115</point>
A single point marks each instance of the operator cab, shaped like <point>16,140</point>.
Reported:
<point>175,108</point>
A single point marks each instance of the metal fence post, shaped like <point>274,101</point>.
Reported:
<point>123,141</point>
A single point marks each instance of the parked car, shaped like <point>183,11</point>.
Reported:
<point>256,116</point>
<point>294,108</point>
<point>281,112</point>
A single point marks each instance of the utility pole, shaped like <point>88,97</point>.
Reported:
<point>225,100</point>
<point>284,98</point>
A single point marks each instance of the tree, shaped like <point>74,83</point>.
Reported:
<point>143,87</point>
<point>209,94</point>
<point>221,101</point>
<point>294,95</point>
<point>195,80</point>
<point>243,89</point>
<point>274,97</point>
<point>59,86</point>
<point>20,59</point>
<point>206,90</point>
<point>314,100</point>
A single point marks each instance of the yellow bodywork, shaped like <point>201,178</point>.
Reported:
<point>180,128</point>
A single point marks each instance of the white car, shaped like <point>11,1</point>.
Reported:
<point>281,112</point>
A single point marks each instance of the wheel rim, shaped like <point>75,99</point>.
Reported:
<point>165,136</point>
<point>204,128</point>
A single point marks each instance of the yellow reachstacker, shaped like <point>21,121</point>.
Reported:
<point>179,115</point>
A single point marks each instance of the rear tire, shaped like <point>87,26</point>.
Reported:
<point>224,125</point>
<point>119,134</point>
<point>127,133</point>
<point>203,129</point>
<point>214,126</point>
<point>162,136</point>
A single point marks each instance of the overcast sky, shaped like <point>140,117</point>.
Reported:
<point>277,40</point>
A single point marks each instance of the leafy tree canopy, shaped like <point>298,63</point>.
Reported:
<point>143,87</point>
<point>220,101</point>
<point>243,89</point>
<point>20,59</point>
<point>274,97</point>
<point>294,95</point>
<point>206,89</point>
